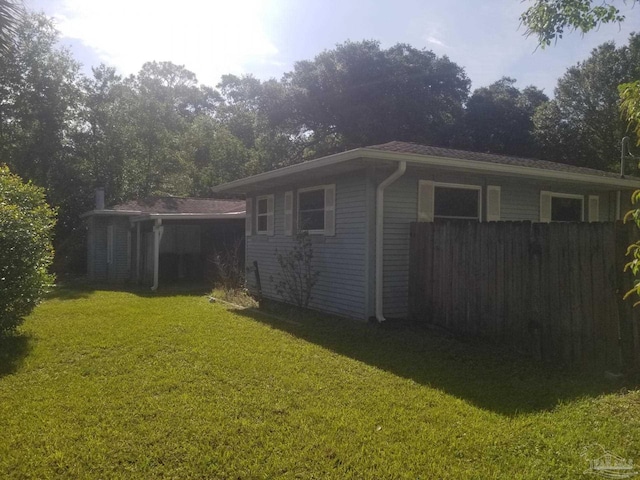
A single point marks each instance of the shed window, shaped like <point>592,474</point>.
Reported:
<point>456,202</point>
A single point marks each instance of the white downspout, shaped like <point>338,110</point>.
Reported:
<point>618,194</point>
<point>157,236</point>
<point>402,167</point>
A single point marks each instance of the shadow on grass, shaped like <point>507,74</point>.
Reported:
<point>13,350</point>
<point>481,374</point>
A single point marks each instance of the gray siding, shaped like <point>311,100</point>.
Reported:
<point>340,259</point>
<point>97,267</point>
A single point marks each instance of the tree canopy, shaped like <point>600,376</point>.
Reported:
<point>548,19</point>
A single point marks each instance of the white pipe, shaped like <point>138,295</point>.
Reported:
<point>157,231</point>
<point>402,167</point>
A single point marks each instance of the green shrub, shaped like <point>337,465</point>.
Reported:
<point>26,252</point>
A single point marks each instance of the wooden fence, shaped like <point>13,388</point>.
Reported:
<point>553,291</point>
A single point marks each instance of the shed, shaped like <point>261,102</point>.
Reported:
<point>161,239</point>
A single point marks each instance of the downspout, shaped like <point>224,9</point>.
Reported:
<point>402,167</point>
<point>157,236</point>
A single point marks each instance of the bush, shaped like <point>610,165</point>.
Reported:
<point>297,276</point>
<point>26,252</point>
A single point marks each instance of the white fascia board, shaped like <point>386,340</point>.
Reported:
<point>291,169</point>
<point>499,168</point>
<point>476,166</point>
<point>117,213</point>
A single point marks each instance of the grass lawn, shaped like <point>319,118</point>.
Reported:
<point>122,385</point>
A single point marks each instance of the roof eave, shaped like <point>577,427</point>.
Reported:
<point>244,184</point>
<point>107,212</point>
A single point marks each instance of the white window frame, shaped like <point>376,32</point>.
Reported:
<point>460,186</point>
<point>324,188</point>
<point>266,214</point>
<point>575,196</point>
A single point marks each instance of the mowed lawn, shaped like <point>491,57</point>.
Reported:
<point>123,385</point>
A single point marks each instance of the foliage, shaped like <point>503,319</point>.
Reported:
<point>548,19</point>
<point>26,224</point>
<point>582,124</point>
<point>297,276</point>
<point>499,119</point>
<point>359,94</point>
<point>229,267</point>
<point>10,16</point>
<point>147,386</point>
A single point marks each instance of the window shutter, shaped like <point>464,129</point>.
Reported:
<point>330,210</point>
<point>270,229</point>
<point>426,191</point>
<point>288,213</point>
<point>545,207</point>
<point>594,208</point>
<point>493,203</point>
<point>248,223</point>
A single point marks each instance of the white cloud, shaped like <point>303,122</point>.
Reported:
<point>210,38</point>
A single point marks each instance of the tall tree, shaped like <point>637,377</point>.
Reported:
<point>499,118</point>
<point>359,94</point>
<point>582,125</point>
<point>10,16</point>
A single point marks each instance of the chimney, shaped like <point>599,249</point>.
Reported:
<point>100,198</point>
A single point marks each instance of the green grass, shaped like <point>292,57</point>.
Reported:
<point>124,385</point>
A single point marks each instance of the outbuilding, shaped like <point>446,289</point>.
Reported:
<point>161,239</point>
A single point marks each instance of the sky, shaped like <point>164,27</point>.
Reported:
<point>265,38</point>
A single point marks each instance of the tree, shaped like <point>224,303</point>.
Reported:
<point>548,19</point>
<point>499,118</point>
<point>359,94</point>
<point>582,124</point>
<point>26,252</point>
<point>10,15</point>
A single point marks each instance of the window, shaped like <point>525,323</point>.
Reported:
<point>561,207</point>
<point>316,210</point>
<point>454,201</point>
<point>264,214</point>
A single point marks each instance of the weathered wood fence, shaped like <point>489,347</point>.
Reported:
<point>553,291</point>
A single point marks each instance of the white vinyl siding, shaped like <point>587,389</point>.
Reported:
<point>340,258</point>
<point>248,223</point>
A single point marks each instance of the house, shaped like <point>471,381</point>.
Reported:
<point>157,239</point>
<point>358,206</point>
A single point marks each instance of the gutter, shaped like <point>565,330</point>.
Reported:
<point>402,167</point>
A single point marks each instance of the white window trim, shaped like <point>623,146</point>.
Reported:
<point>460,186</point>
<point>564,195</point>
<point>297,207</point>
<point>258,214</point>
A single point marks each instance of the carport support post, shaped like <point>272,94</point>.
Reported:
<point>137,252</point>
<point>157,236</point>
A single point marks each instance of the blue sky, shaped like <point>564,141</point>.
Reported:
<point>266,37</point>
